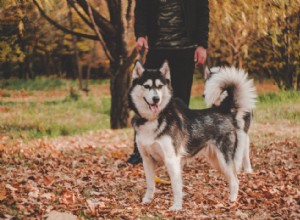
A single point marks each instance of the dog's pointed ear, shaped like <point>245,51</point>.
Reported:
<point>137,70</point>
<point>165,70</point>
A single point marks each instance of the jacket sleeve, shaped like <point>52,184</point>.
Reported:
<point>203,24</point>
<point>140,18</point>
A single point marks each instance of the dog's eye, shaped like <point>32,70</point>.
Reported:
<point>146,86</point>
<point>159,86</point>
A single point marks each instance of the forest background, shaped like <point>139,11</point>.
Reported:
<point>78,39</point>
<point>64,73</point>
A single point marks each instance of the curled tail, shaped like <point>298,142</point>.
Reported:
<point>231,90</point>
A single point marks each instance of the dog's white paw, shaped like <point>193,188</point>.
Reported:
<point>146,200</point>
<point>233,197</point>
<point>248,170</point>
<point>175,207</point>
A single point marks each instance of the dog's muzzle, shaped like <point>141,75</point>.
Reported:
<point>153,107</point>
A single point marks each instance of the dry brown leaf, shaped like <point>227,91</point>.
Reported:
<point>3,192</point>
<point>68,197</point>
<point>48,180</point>
<point>54,215</point>
<point>87,175</point>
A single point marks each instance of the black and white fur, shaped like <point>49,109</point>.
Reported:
<point>169,133</point>
<point>218,91</point>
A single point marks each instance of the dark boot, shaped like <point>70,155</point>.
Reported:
<point>135,157</point>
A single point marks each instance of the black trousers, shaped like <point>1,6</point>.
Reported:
<point>181,62</point>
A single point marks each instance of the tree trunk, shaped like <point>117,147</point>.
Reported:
<point>286,36</point>
<point>6,70</point>
<point>298,82</point>
<point>89,68</point>
<point>75,50</point>
<point>119,84</point>
<point>119,113</point>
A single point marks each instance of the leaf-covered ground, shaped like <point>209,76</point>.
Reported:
<point>87,177</point>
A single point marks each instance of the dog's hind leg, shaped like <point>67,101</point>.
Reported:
<point>174,169</point>
<point>149,168</point>
<point>231,176</point>
<point>246,159</point>
<point>239,154</point>
<point>228,168</point>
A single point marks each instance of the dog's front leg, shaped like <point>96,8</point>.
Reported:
<point>174,169</point>
<point>150,175</point>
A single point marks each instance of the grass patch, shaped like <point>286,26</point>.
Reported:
<point>31,120</point>
<point>77,113</point>
<point>271,107</point>
<point>197,102</point>
<point>44,84</point>
<point>35,84</point>
<point>281,96</point>
<point>5,95</point>
<point>275,107</point>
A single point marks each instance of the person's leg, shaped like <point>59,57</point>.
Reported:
<point>154,60</point>
<point>135,157</point>
<point>182,68</point>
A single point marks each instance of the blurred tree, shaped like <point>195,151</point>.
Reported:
<point>111,30</point>
<point>278,52</point>
<point>31,45</point>
<point>11,31</point>
<point>262,36</point>
<point>78,68</point>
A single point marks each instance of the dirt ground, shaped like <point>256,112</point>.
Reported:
<point>86,176</point>
<point>100,91</point>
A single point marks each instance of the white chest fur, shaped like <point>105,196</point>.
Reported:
<point>146,133</point>
<point>150,144</point>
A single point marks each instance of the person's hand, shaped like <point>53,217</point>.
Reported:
<point>200,55</point>
<point>140,43</point>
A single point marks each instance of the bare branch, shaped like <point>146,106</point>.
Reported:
<point>62,28</point>
<point>96,29</point>
<point>128,11</point>
<point>102,23</point>
<point>71,3</point>
<point>114,7</point>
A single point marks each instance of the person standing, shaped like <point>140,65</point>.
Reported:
<point>176,31</point>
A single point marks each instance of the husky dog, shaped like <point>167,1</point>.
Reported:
<point>248,116</point>
<point>168,132</point>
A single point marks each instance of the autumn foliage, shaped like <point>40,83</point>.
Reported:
<point>88,177</point>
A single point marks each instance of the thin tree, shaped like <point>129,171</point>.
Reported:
<point>76,57</point>
<point>111,33</point>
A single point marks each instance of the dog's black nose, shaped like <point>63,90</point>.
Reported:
<point>155,99</point>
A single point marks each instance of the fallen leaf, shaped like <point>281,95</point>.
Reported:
<point>55,215</point>
<point>3,192</point>
<point>67,197</point>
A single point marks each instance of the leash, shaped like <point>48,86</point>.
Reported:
<point>142,55</point>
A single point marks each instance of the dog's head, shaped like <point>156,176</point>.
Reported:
<point>150,91</point>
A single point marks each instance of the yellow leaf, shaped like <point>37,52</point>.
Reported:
<point>158,180</point>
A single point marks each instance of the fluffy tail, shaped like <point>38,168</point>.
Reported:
<point>231,90</point>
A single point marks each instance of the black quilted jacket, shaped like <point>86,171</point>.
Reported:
<point>196,17</point>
